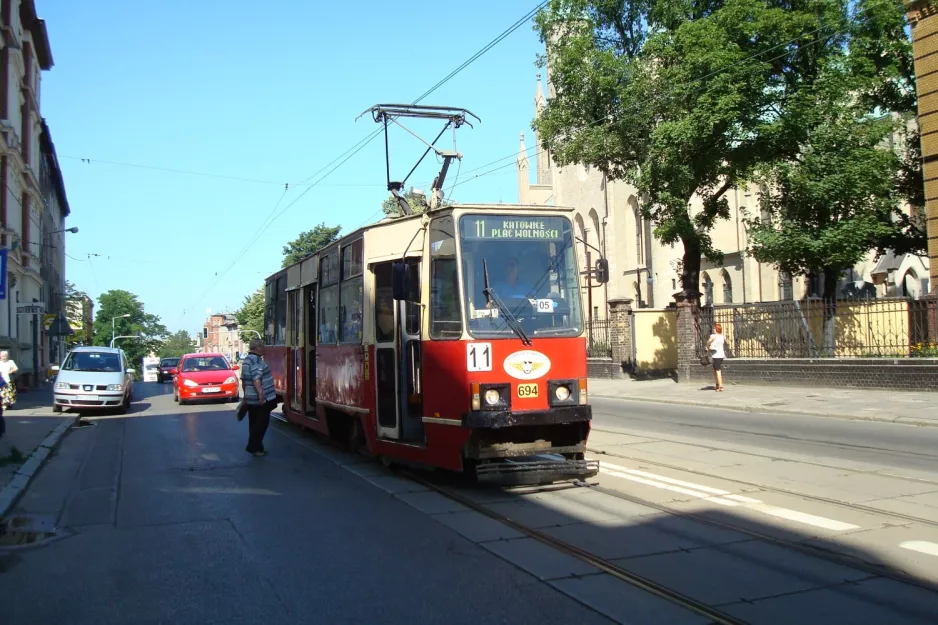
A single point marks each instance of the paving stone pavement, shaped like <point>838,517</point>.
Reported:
<point>914,408</point>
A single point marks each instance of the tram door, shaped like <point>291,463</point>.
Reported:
<point>309,296</point>
<point>295,302</point>
<point>398,370</point>
<point>386,354</point>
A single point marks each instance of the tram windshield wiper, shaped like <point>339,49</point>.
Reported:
<point>492,298</point>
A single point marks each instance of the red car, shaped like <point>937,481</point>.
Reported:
<point>205,376</point>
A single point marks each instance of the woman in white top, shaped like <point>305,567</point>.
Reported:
<point>7,369</point>
<point>715,344</point>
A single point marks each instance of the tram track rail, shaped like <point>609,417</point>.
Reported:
<point>715,615</point>
<point>856,507</point>
<point>829,555</point>
<point>640,581</point>
<point>634,579</point>
<point>780,459</point>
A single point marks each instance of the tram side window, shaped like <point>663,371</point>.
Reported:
<point>297,314</point>
<point>445,316</point>
<point>412,309</point>
<point>329,299</point>
<point>269,299</point>
<point>384,304</point>
<point>280,336</point>
<point>350,316</point>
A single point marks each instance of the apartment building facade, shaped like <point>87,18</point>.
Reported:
<point>33,206</point>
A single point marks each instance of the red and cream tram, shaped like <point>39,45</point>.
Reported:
<point>452,339</point>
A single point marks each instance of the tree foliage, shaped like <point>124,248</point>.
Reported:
<point>418,203</point>
<point>251,314</point>
<point>73,313</point>
<point>177,344</point>
<point>119,302</point>
<point>831,205</point>
<point>685,100</point>
<point>309,242</point>
<point>881,61</point>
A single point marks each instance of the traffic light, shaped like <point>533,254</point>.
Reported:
<point>602,271</point>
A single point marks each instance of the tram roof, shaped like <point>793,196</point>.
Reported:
<point>389,221</point>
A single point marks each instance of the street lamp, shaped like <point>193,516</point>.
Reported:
<point>254,331</point>
<point>112,325</point>
<point>126,336</point>
<point>73,230</point>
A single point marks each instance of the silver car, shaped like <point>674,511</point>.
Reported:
<point>94,378</point>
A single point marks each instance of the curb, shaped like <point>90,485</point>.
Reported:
<point>28,470</point>
<point>755,408</point>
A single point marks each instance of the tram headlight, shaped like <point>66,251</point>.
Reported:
<point>562,393</point>
<point>491,396</point>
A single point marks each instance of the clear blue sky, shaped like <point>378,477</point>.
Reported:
<point>267,92</point>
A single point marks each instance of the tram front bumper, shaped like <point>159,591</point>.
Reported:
<point>506,418</point>
<point>531,447</point>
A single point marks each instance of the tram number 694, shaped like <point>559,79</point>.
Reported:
<point>479,357</point>
<point>527,390</point>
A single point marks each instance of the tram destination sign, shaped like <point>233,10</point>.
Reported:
<point>513,229</point>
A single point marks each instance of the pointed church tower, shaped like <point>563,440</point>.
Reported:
<point>542,159</point>
<point>524,180</point>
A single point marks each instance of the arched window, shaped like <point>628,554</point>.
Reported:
<point>639,228</point>
<point>727,287</point>
<point>707,288</point>
<point>785,290</point>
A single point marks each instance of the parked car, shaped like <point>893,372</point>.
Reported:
<point>167,369</point>
<point>94,378</point>
<point>205,376</point>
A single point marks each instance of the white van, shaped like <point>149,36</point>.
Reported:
<point>151,369</point>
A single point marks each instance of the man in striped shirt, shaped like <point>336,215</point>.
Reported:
<point>260,397</point>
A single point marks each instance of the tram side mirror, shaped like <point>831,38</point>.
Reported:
<point>602,271</point>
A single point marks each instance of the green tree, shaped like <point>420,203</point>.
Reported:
<point>881,61</point>
<point>73,312</point>
<point>309,242</point>
<point>117,302</point>
<point>418,203</point>
<point>177,344</point>
<point>828,207</point>
<point>251,314</point>
<point>682,99</point>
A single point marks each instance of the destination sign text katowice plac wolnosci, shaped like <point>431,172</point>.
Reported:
<point>513,229</point>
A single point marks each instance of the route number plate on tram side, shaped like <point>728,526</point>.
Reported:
<point>527,391</point>
<point>479,357</point>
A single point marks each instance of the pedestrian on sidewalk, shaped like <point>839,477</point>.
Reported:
<point>3,423</point>
<point>7,369</point>
<point>715,344</point>
<point>260,397</point>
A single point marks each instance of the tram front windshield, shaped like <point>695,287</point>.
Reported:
<point>531,266</point>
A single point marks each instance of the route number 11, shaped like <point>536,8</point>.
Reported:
<point>479,357</point>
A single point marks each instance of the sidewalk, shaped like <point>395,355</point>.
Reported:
<point>899,406</point>
<point>26,442</point>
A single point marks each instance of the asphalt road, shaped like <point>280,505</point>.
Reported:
<point>883,444</point>
<point>169,520</point>
<point>164,518</point>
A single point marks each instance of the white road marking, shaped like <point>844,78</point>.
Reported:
<point>724,498</point>
<point>677,489</point>
<point>922,546</point>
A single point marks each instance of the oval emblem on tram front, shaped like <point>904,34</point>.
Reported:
<point>527,365</point>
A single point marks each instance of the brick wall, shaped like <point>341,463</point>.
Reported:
<point>911,374</point>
